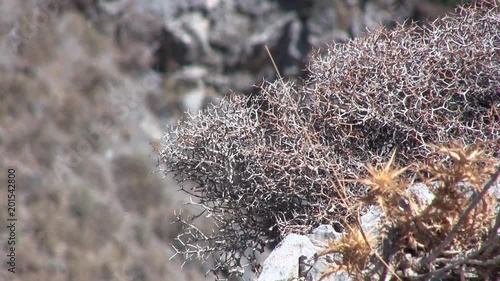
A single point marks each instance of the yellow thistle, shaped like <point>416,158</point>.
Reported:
<point>386,189</point>
<point>467,164</point>
<point>384,180</point>
<point>354,253</point>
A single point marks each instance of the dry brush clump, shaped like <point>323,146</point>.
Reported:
<point>451,236</point>
<point>354,251</point>
<point>266,165</point>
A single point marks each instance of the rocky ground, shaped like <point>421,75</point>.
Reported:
<point>86,87</point>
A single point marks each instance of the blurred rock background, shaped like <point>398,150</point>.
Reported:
<point>86,88</point>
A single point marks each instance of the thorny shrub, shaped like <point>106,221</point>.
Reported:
<point>267,165</point>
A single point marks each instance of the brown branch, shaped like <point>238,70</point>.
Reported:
<point>434,254</point>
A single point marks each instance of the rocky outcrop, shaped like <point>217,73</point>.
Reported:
<point>227,38</point>
<point>296,257</point>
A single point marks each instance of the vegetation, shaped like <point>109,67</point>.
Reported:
<point>454,234</point>
<point>293,157</point>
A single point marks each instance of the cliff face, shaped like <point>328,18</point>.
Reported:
<point>86,88</point>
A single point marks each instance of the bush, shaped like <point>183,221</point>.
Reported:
<point>267,165</point>
<point>449,232</point>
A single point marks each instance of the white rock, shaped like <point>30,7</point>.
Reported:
<point>283,262</point>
